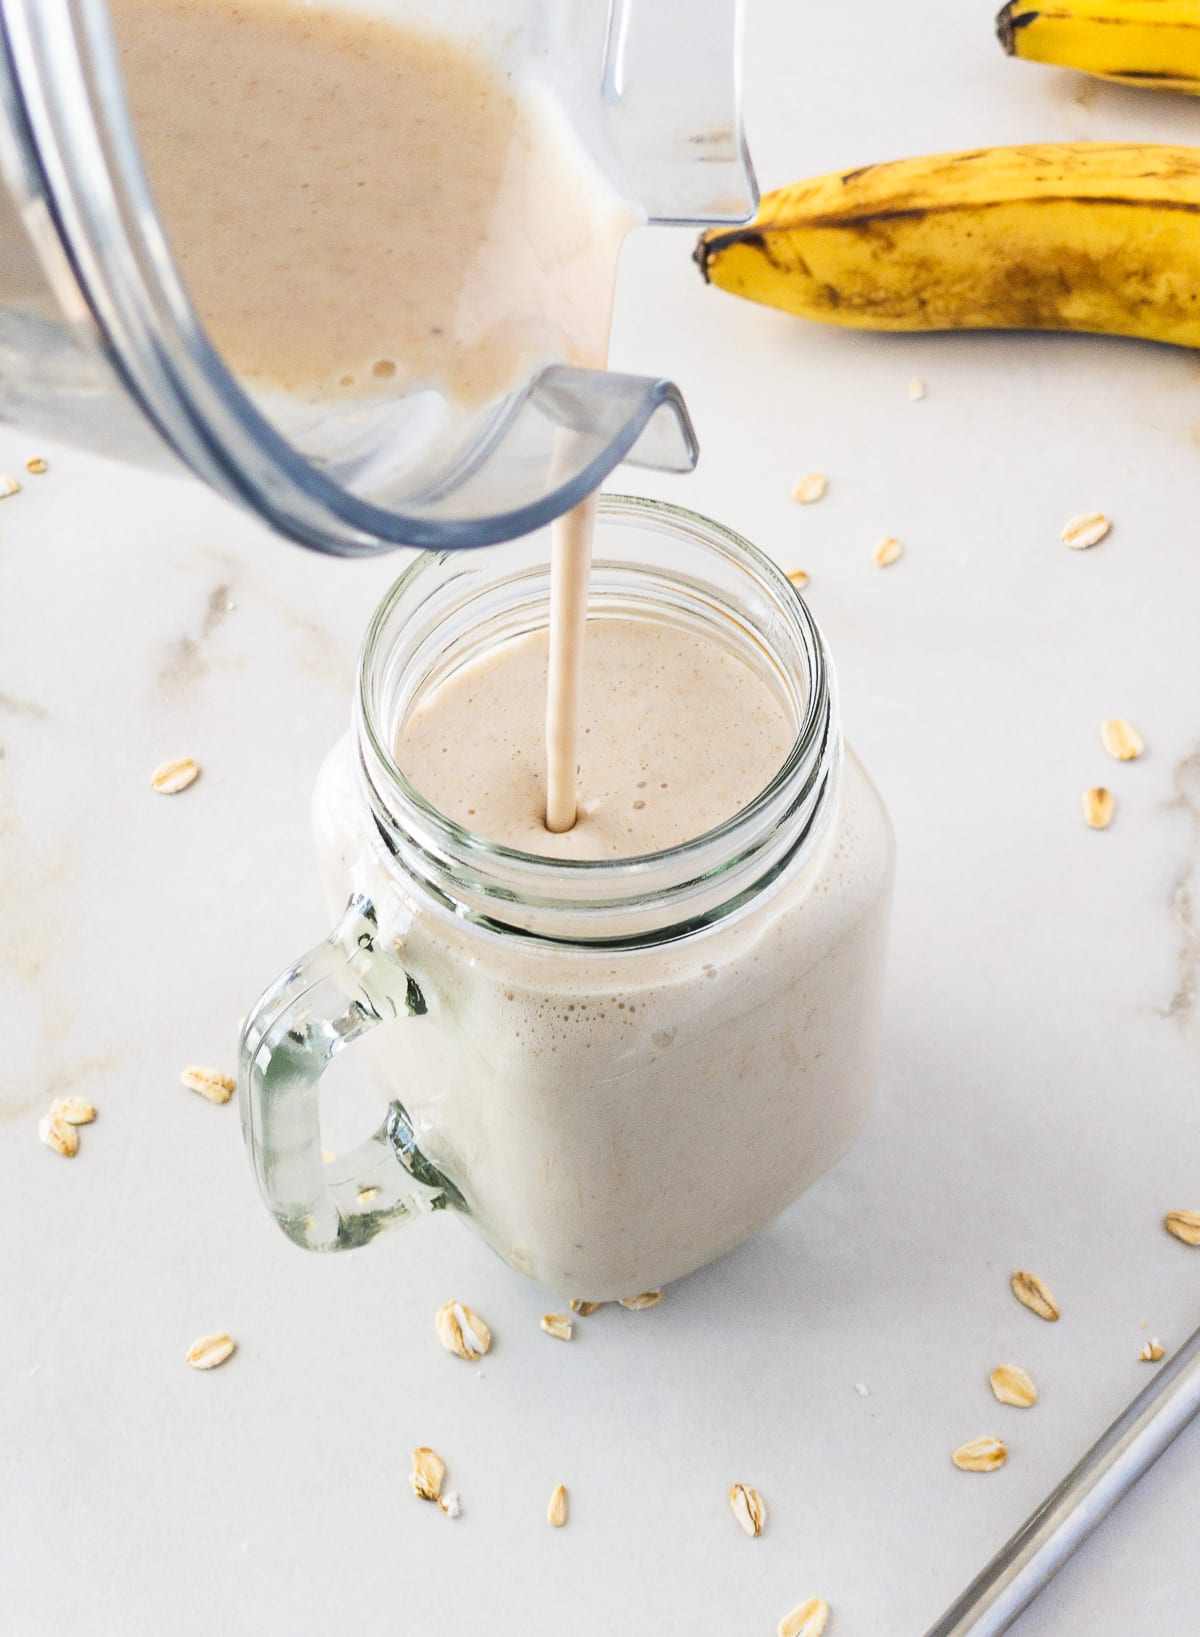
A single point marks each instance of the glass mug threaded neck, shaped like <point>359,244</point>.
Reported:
<point>653,562</point>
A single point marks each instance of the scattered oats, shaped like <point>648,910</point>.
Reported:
<point>980,1455</point>
<point>887,551</point>
<point>1033,1294</point>
<point>799,578</point>
<point>58,1134</point>
<point>805,1620</point>
<point>810,488</point>
<point>1012,1385</point>
<point>169,778</point>
<point>1184,1225</point>
<point>450,1504</point>
<point>1085,531</point>
<point>209,1351</point>
<point>584,1309</point>
<point>558,1325</point>
<point>1098,807</point>
<point>1152,1351</point>
<point>1121,739</point>
<point>648,1298</point>
<point>461,1331</point>
<point>916,390</point>
<point>556,1512</point>
<point>210,1083</point>
<point>748,1508</point>
<point>73,1110</point>
<point>368,1196</point>
<point>860,1387</point>
<point>36,465</point>
<point>8,487</point>
<point>428,1470</point>
<point>327,1156</point>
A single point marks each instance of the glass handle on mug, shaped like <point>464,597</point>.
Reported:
<point>338,991</point>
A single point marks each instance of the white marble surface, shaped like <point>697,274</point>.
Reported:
<point>1038,1101</point>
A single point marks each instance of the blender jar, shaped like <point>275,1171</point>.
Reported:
<point>101,343</point>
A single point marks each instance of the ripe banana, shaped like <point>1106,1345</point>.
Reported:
<point>1102,237</point>
<point>1153,43</point>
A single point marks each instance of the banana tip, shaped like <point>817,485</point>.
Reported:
<point>1008,20</point>
<point>700,256</point>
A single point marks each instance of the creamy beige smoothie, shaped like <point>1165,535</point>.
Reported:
<point>359,209</point>
<point>676,734</point>
<point>359,206</point>
<point>618,1117</point>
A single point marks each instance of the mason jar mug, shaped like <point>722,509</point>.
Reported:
<point>613,1070</point>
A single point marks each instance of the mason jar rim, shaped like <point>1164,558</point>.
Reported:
<point>784,814</point>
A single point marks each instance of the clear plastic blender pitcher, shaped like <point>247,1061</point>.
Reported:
<point>101,346</point>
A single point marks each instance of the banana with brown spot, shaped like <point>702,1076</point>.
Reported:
<point>1100,237</point>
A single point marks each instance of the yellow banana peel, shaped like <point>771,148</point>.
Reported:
<point>1089,236</point>
<point>1153,43</point>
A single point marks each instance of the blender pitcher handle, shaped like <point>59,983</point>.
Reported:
<point>327,999</point>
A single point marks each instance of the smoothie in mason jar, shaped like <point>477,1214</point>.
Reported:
<point>616,1109</point>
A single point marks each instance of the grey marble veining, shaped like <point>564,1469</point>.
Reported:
<point>1184,908</point>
